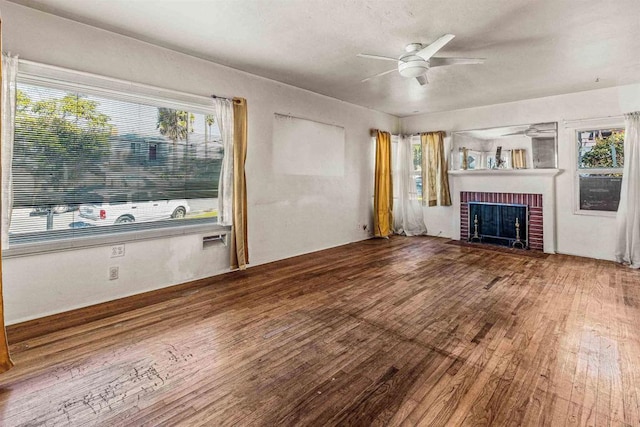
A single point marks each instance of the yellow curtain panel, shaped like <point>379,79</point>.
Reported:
<point>5,360</point>
<point>519,159</point>
<point>383,191</point>
<point>435,178</point>
<point>239,240</point>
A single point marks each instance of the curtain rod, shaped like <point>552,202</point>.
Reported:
<point>373,133</point>
<point>289,116</point>
<point>420,133</point>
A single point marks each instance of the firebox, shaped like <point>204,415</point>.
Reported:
<point>499,223</point>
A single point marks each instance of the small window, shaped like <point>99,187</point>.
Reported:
<point>600,165</point>
<point>153,152</point>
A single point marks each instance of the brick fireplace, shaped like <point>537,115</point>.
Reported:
<point>535,187</point>
<point>533,201</point>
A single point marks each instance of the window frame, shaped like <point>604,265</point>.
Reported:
<point>577,171</point>
<point>415,141</point>
<point>69,80</point>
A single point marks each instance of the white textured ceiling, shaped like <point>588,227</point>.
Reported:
<point>533,48</point>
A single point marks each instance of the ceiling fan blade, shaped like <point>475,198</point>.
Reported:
<point>440,62</point>
<point>378,75</point>
<point>422,80</point>
<point>538,132</point>
<point>384,58</point>
<point>429,51</point>
<point>551,127</point>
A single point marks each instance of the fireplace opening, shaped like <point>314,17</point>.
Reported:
<point>503,224</point>
<point>534,228</point>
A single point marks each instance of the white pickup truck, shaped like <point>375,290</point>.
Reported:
<point>120,212</point>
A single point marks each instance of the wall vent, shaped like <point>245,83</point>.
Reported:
<point>213,240</point>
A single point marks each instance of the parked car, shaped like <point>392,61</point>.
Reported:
<point>44,210</point>
<point>119,210</point>
<point>72,202</point>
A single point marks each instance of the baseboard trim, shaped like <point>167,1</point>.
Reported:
<point>44,325</point>
<point>31,329</point>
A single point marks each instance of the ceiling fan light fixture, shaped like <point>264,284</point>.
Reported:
<point>412,69</point>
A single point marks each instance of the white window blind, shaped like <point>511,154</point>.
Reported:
<point>89,161</point>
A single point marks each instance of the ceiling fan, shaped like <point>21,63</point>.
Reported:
<point>418,58</point>
<point>536,130</point>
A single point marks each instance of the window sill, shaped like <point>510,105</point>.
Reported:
<point>601,214</point>
<point>50,246</point>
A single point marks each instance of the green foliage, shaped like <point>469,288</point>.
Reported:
<point>601,154</point>
<point>175,124</point>
<point>209,120</point>
<point>22,102</point>
<point>417,156</point>
<point>61,138</point>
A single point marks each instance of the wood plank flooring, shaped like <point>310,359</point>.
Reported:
<point>406,331</point>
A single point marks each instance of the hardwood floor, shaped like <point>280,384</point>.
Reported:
<point>406,331</point>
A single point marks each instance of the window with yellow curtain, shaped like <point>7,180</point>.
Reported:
<point>383,188</point>
<point>435,178</point>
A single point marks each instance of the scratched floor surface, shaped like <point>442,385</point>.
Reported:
<point>409,331</point>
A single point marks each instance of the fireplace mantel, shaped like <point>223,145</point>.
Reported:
<point>526,181</point>
<point>506,172</point>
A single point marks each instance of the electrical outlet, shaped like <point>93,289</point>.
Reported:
<point>117,251</point>
<point>113,273</point>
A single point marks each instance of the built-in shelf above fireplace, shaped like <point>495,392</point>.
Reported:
<point>529,146</point>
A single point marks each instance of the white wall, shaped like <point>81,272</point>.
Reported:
<point>589,236</point>
<point>288,215</point>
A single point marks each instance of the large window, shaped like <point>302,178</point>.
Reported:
<point>600,165</point>
<point>94,163</point>
<point>415,169</point>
